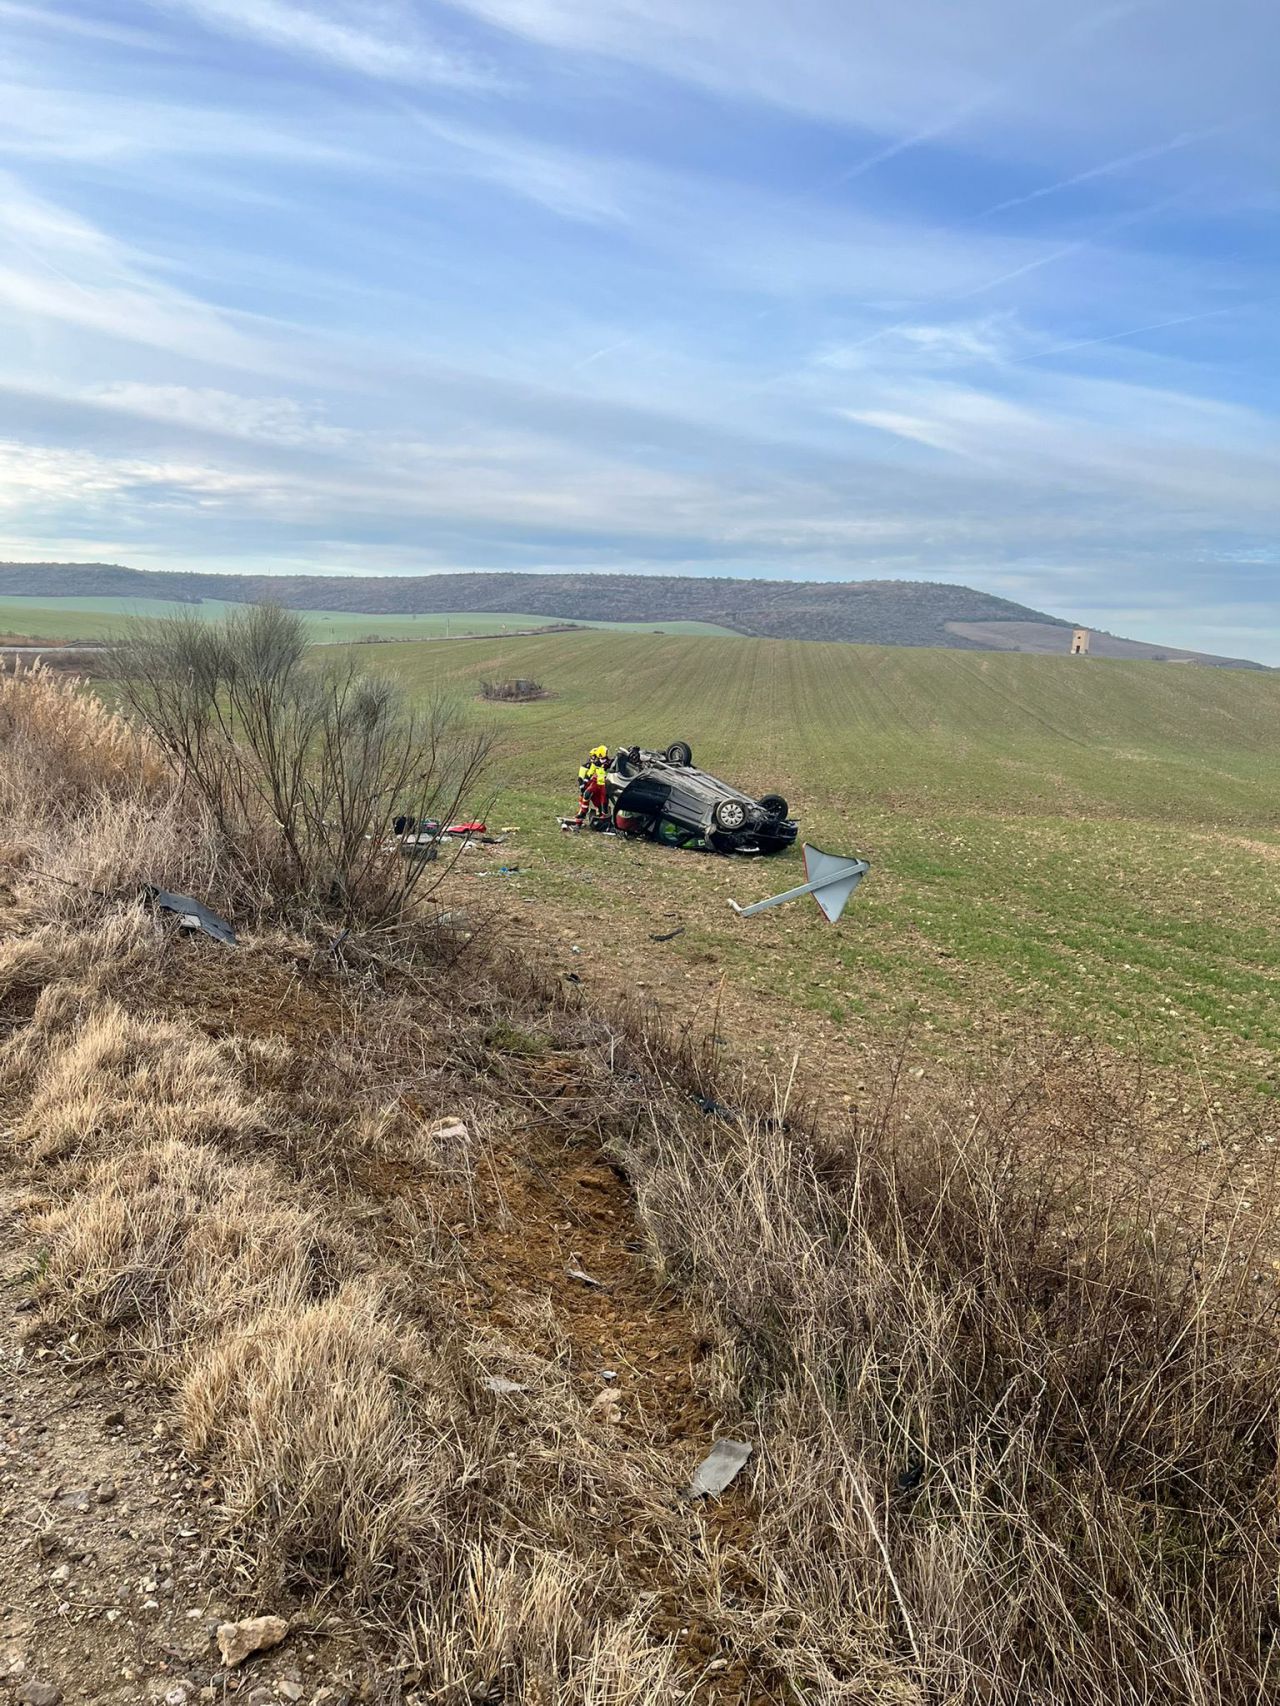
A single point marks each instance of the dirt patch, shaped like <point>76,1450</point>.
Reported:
<point>529,1249</point>
<point>114,1576</point>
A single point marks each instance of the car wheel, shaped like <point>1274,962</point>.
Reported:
<point>680,752</point>
<point>729,814</point>
<point>773,806</point>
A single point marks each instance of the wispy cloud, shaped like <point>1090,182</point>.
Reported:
<point>1109,168</point>
<point>388,43</point>
<point>65,269</point>
<point>568,283</point>
<point>1129,332</point>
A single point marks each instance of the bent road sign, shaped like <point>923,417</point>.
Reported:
<point>832,879</point>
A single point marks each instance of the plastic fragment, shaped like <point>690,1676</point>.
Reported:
<point>719,1467</point>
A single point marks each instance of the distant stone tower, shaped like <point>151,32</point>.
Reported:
<point>1079,642</point>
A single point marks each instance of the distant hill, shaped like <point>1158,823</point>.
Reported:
<point>1046,637</point>
<point>894,613</point>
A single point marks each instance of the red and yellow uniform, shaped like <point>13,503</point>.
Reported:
<point>591,782</point>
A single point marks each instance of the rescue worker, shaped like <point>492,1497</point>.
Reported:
<point>591,783</point>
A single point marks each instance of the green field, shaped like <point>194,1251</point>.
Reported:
<point>1091,845</point>
<point>98,618</point>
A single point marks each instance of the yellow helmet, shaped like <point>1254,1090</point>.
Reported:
<point>599,752</point>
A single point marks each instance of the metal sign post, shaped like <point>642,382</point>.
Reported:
<point>832,879</point>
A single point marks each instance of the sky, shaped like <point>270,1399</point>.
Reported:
<point>982,292</point>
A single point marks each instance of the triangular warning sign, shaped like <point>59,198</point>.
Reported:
<point>834,877</point>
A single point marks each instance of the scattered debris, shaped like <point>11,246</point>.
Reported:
<point>718,1468</point>
<point>192,914</point>
<point>253,1635</point>
<point>913,1474</point>
<point>509,829</point>
<point>585,1278</point>
<point>449,1131</point>
<point>669,936</point>
<point>716,1110</point>
<point>605,1407</point>
<point>501,1385</point>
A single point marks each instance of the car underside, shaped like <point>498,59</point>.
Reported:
<point>664,797</point>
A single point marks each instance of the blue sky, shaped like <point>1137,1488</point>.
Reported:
<point>972,290</point>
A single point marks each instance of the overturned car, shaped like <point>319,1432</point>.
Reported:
<point>662,796</point>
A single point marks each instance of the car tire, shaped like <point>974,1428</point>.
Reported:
<point>774,807</point>
<point>680,752</point>
<point>730,815</point>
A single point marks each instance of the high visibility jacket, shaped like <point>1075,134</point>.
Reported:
<point>591,771</point>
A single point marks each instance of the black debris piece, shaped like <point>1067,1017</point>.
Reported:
<point>192,914</point>
<point>670,935</point>
<point>913,1474</point>
<point>715,1110</point>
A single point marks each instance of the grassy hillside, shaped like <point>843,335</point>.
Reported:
<point>86,618</point>
<point>910,613</point>
<point>1089,843</point>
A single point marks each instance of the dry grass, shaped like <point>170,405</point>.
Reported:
<point>333,1429</point>
<point>119,1078</point>
<point>533,1626</point>
<point>1014,1398</point>
<point>1019,1422</point>
<point>67,746</point>
<point>167,1242</point>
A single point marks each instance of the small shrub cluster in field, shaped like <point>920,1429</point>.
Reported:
<point>520,691</point>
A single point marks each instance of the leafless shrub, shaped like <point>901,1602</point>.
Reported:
<point>303,767</point>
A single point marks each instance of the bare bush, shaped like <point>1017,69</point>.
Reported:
<point>520,691</point>
<point>303,767</point>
